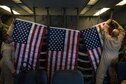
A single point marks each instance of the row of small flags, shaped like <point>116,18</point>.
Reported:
<point>39,47</point>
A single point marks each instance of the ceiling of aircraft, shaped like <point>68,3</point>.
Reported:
<point>60,7</point>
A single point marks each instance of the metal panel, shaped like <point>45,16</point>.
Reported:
<point>56,3</point>
<point>100,4</point>
<point>14,6</point>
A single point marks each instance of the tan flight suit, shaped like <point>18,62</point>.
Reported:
<point>113,65</point>
<point>123,82</point>
<point>7,50</point>
<point>111,48</point>
<point>7,64</point>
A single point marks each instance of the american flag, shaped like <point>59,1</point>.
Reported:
<point>28,39</point>
<point>62,49</point>
<point>93,42</point>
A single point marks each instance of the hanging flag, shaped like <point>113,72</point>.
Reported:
<point>43,54</point>
<point>63,48</point>
<point>93,43</point>
<point>28,39</point>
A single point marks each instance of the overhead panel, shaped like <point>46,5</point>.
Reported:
<point>56,3</point>
<point>101,4</point>
<point>56,6</point>
<point>25,7</point>
<point>14,6</point>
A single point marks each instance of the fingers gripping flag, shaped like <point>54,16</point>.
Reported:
<point>93,42</point>
<point>62,49</point>
<point>28,38</point>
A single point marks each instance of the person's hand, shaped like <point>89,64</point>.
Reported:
<point>107,23</point>
<point>119,26</point>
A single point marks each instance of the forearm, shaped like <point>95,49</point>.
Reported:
<point>4,34</point>
<point>120,28</point>
<point>10,30</point>
<point>121,33</point>
<point>104,30</point>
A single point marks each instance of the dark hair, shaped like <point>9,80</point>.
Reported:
<point>115,33</point>
<point>4,18</point>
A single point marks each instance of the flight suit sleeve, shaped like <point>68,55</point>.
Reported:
<point>105,33</point>
<point>121,33</point>
<point>4,34</point>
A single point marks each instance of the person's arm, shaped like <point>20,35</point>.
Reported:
<point>121,31</point>
<point>7,56</point>
<point>11,28</point>
<point>4,34</point>
<point>7,31</point>
<point>104,30</point>
<point>13,53</point>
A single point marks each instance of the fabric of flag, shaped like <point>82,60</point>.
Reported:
<point>28,39</point>
<point>63,45</point>
<point>43,54</point>
<point>93,43</point>
<point>84,65</point>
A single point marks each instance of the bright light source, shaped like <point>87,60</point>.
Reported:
<point>8,9</point>
<point>17,1</point>
<point>101,11</point>
<point>123,2</point>
<point>92,2</point>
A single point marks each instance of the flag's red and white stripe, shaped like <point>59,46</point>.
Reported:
<point>28,54</point>
<point>67,59</point>
<point>95,54</point>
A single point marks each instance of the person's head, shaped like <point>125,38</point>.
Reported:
<point>6,19</point>
<point>115,33</point>
<point>6,34</point>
